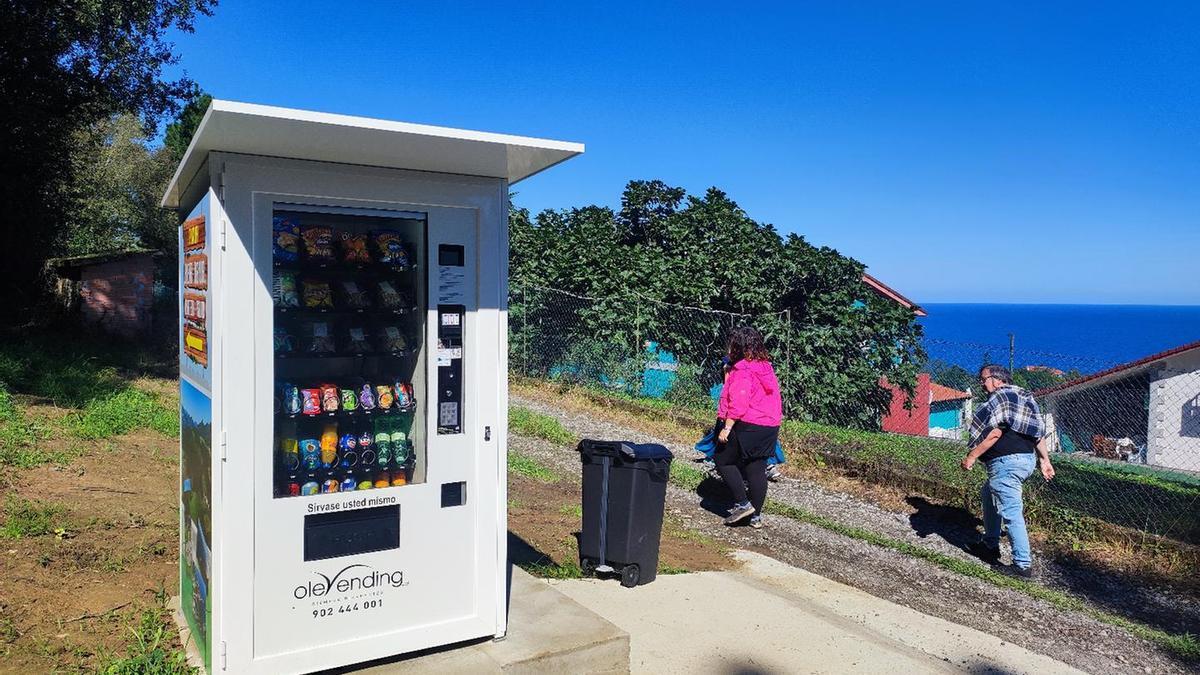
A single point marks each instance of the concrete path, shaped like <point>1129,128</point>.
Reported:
<point>548,634</point>
<point>770,617</point>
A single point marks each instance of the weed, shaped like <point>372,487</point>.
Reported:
<point>145,651</point>
<point>573,510</point>
<point>154,548</point>
<point>111,562</point>
<point>528,423</point>
<point>549,569</point>
<point>25,518</point>
<point>681,532</point>
<point>529,467</point>
<point>8,627</point>
<point>686,476</point>
<point>664,568</point>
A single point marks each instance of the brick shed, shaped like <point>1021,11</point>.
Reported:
<point>113,291</point>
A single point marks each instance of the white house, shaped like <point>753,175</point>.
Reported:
<point>1154,402</point>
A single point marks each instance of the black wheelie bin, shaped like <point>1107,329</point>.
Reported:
<point>624,491</point>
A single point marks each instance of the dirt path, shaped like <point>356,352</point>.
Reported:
<point>1012,616</point>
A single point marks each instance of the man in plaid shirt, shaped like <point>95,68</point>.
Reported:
<point>1007,434</point>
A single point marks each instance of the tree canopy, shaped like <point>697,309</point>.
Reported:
<point>833,338</point>
<point>65,68</point>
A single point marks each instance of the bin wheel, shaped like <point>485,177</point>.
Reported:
<point>630,575</point>
<point>587,567</point>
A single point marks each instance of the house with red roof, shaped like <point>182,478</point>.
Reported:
<point>932,410</point>
<point>888,293</point>
<point>1145,410</point>
<point>949,411</point>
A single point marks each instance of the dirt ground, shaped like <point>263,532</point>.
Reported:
<point>545,518</point>
<point>1071,636</point>
<point>69,597</point>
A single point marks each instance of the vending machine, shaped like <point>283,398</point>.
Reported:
<point>343,385</point>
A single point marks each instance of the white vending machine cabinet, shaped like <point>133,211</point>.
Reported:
<point>343,385</point>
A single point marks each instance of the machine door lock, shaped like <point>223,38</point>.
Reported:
<point>487,433</point>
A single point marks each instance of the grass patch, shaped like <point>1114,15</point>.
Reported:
<point>20,437</point>
<point>574,510</point>
<point>529,467</point>
<point>123,412</point>
<point>1137,497</point>
<point>147,652</point>
<point>686,476</point>
<point>663,568</point>
<point>549,569</point>
<point>529,423</point>
<point>24,518</point>
<point>70,371</point>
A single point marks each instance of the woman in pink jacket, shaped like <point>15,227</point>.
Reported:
<point>749,414</point>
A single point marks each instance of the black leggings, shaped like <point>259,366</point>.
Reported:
<point>736,471</point>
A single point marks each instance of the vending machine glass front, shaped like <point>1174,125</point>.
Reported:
<point>349,322</point>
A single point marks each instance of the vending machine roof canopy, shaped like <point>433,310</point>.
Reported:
<point>247,128</point>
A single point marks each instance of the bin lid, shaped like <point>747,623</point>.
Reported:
<point>645,450</point>
<point>628,449</point>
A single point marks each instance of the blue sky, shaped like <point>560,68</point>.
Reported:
<point>976,154</point>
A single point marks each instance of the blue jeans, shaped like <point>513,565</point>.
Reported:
<point>1001,497</point>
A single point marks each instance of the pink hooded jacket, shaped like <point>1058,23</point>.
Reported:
<point>751,394</point>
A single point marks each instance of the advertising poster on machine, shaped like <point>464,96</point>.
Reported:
<point>195,422</point>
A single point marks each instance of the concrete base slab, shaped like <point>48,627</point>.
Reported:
<point>547,633</point>
<point>194,658</point>
<point>769,617</point>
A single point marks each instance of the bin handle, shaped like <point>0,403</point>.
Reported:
<point>605,461</point>
<point>661,471</point>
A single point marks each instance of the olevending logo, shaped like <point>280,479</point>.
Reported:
<point>349,579</point>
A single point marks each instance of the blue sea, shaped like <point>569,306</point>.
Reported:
<point>1087,337</point>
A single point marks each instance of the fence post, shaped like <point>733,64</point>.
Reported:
<point>525,329</point>
<point>637,327</point>
<point>787,353</point>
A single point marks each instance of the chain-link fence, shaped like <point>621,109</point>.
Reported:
<point>1125,437</point>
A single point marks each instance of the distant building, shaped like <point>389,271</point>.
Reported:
<point>1153,402</point>
<point>934,410</point>
<point>909,416</point>
<point>949,411</point>
<point>887,292</point>
<point>112,291</point>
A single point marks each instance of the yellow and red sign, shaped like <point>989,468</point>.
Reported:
<point>194,240</point>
